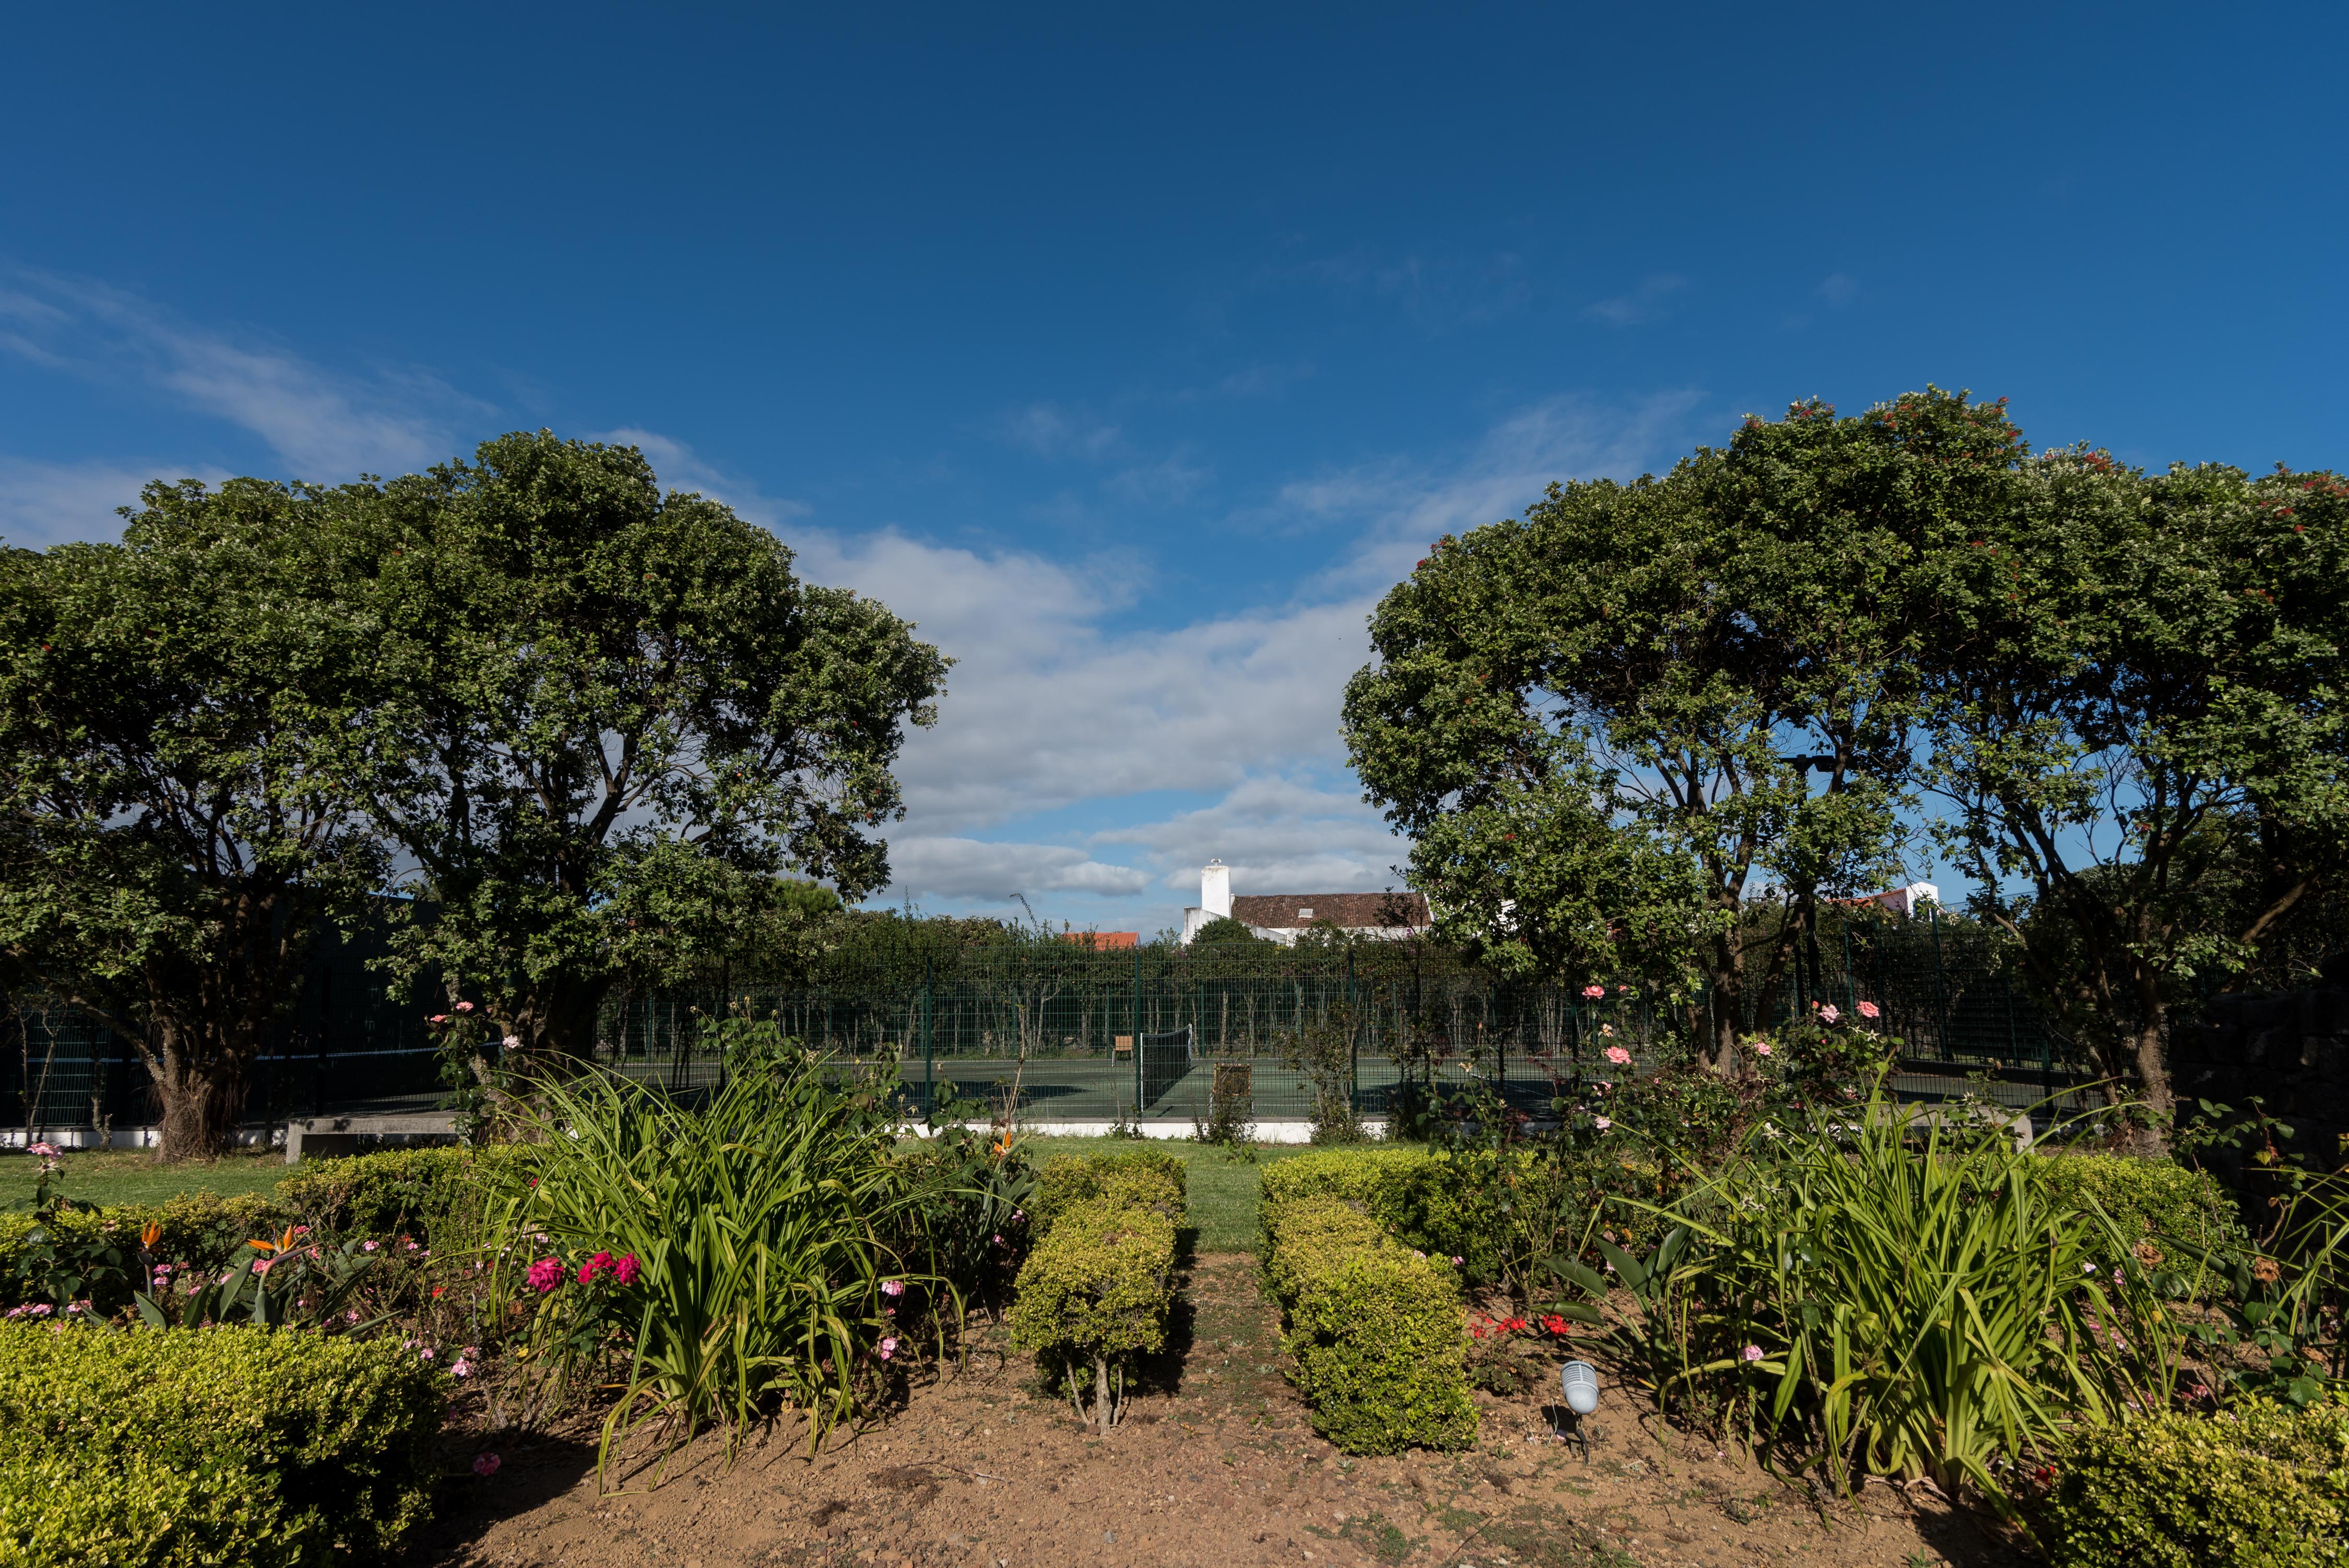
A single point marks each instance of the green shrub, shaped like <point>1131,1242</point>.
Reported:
<point>2176,1206</point>
<point>246,1446</point>
<point>1346,1171</point>
<point>406,1191</point>
<point>1375,1329</point>
<point>1145,1177</point>
<point>1095,1294</point>
<point>201,1230</point>
<point>2259,1487</point>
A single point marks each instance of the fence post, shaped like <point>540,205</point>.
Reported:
<point>1137,1034</point>
<point>1940,987</point>
<point>930,1062</point>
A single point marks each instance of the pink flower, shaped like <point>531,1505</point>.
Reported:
<point>425,1353</point>
<point>367,1246</point>
<point>438,1019</point>
<point>1457,1260</point>
<point>888,1347</point>
<point>627,1270</point>
<point>460,1368</point>
<point>1761,1047</point>
<point>1752,1353</point>
<point>511,1042</point>
<point>46,1150</point>
<point>893,1287</point>
<point>485,1464</point>
<point>1869,1010</point>
<point>1827,1014</point>
<point>464,1006</point>
<point>1601,1123</point>
<point>1619,1056</point>
<point>262,1267</point>
<point>1594,992</point>
<point>545,1274</point>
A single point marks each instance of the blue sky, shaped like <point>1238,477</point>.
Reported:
<point>1133,356</point>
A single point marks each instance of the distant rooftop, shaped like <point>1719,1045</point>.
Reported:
<point>1352,911</point>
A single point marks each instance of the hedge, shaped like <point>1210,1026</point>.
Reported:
<point>1345,1172</point>
<point>412,1190</point>
<point>1146,1178</point>
<point>170,1449</point>
<point>1095,1294</point>
<point>2258,1487</point>
<point>1375,1329</point>
<point>2153,1197</point>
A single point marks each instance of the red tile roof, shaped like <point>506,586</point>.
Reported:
<point>1103,941</point>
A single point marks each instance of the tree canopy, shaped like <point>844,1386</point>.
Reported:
<point>177,819</point>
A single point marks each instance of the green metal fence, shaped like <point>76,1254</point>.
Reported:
<point>1056,1027</point>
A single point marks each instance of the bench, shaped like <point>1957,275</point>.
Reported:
<point>326,1137</point>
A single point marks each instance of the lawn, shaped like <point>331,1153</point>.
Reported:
<point>131,1176</point>
<point>1223,1185</point>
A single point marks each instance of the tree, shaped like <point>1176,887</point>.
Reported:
<point>176,823</point>
<point>604,720</point>
<point>1223,931</point>
<point>2142,757</point>
<point>1600,725</point>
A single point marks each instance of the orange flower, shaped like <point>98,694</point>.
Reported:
<point>283,1243</point>
<point>2266,1272</point>
<point>149,1234</point>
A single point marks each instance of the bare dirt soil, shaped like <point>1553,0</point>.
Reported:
<point>1217,1464</point>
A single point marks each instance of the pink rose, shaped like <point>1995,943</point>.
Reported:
<point>1619,1056</point>
<point>1868,1010</point>
<point>1827,1014</point>
<point>464,1006</point>
<point>1594,992</point>
<point>1761,1047</point>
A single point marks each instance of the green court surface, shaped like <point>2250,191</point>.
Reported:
<point>131,1176</point>
<point>1223,1185</point>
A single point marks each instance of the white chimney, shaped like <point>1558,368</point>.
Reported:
<point>1215,890</point>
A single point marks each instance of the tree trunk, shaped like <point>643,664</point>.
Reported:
<point>203,1096</point>
<point>1728,1009</point>
<point>1104,1413</point>
<point>2153,1072</point>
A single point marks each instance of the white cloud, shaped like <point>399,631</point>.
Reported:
<point>1839,288</point>
<point>43,504</point>
<point>679,467</point>
<point>323,425</point>
<point>1172,478</point>
<point>1051,431</point>
<point>1641,305</point>
<point>980,871</point>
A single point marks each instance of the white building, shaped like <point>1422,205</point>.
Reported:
<point>1284,917</point>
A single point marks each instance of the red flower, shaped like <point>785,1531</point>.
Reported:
<point>627,1270</point>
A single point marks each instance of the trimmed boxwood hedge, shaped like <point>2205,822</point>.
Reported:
<point>1145,1177</point>
<point>2157,1198</point>
<point>2257,1487</point>
<point>258,1446</point>
<point>1353,1173</point>
<point>403,1190</point>
<point>1374,1328</point>
<point>1098,1290</point>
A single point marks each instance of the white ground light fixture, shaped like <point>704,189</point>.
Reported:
<point>1580,1383</point>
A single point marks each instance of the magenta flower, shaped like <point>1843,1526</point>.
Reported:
<point>545,1274</point>
<point>627,1270</point>
<point>1619,1056</point>
<point>485,1464</point>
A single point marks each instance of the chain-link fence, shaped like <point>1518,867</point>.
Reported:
<point>1065,1031</point>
